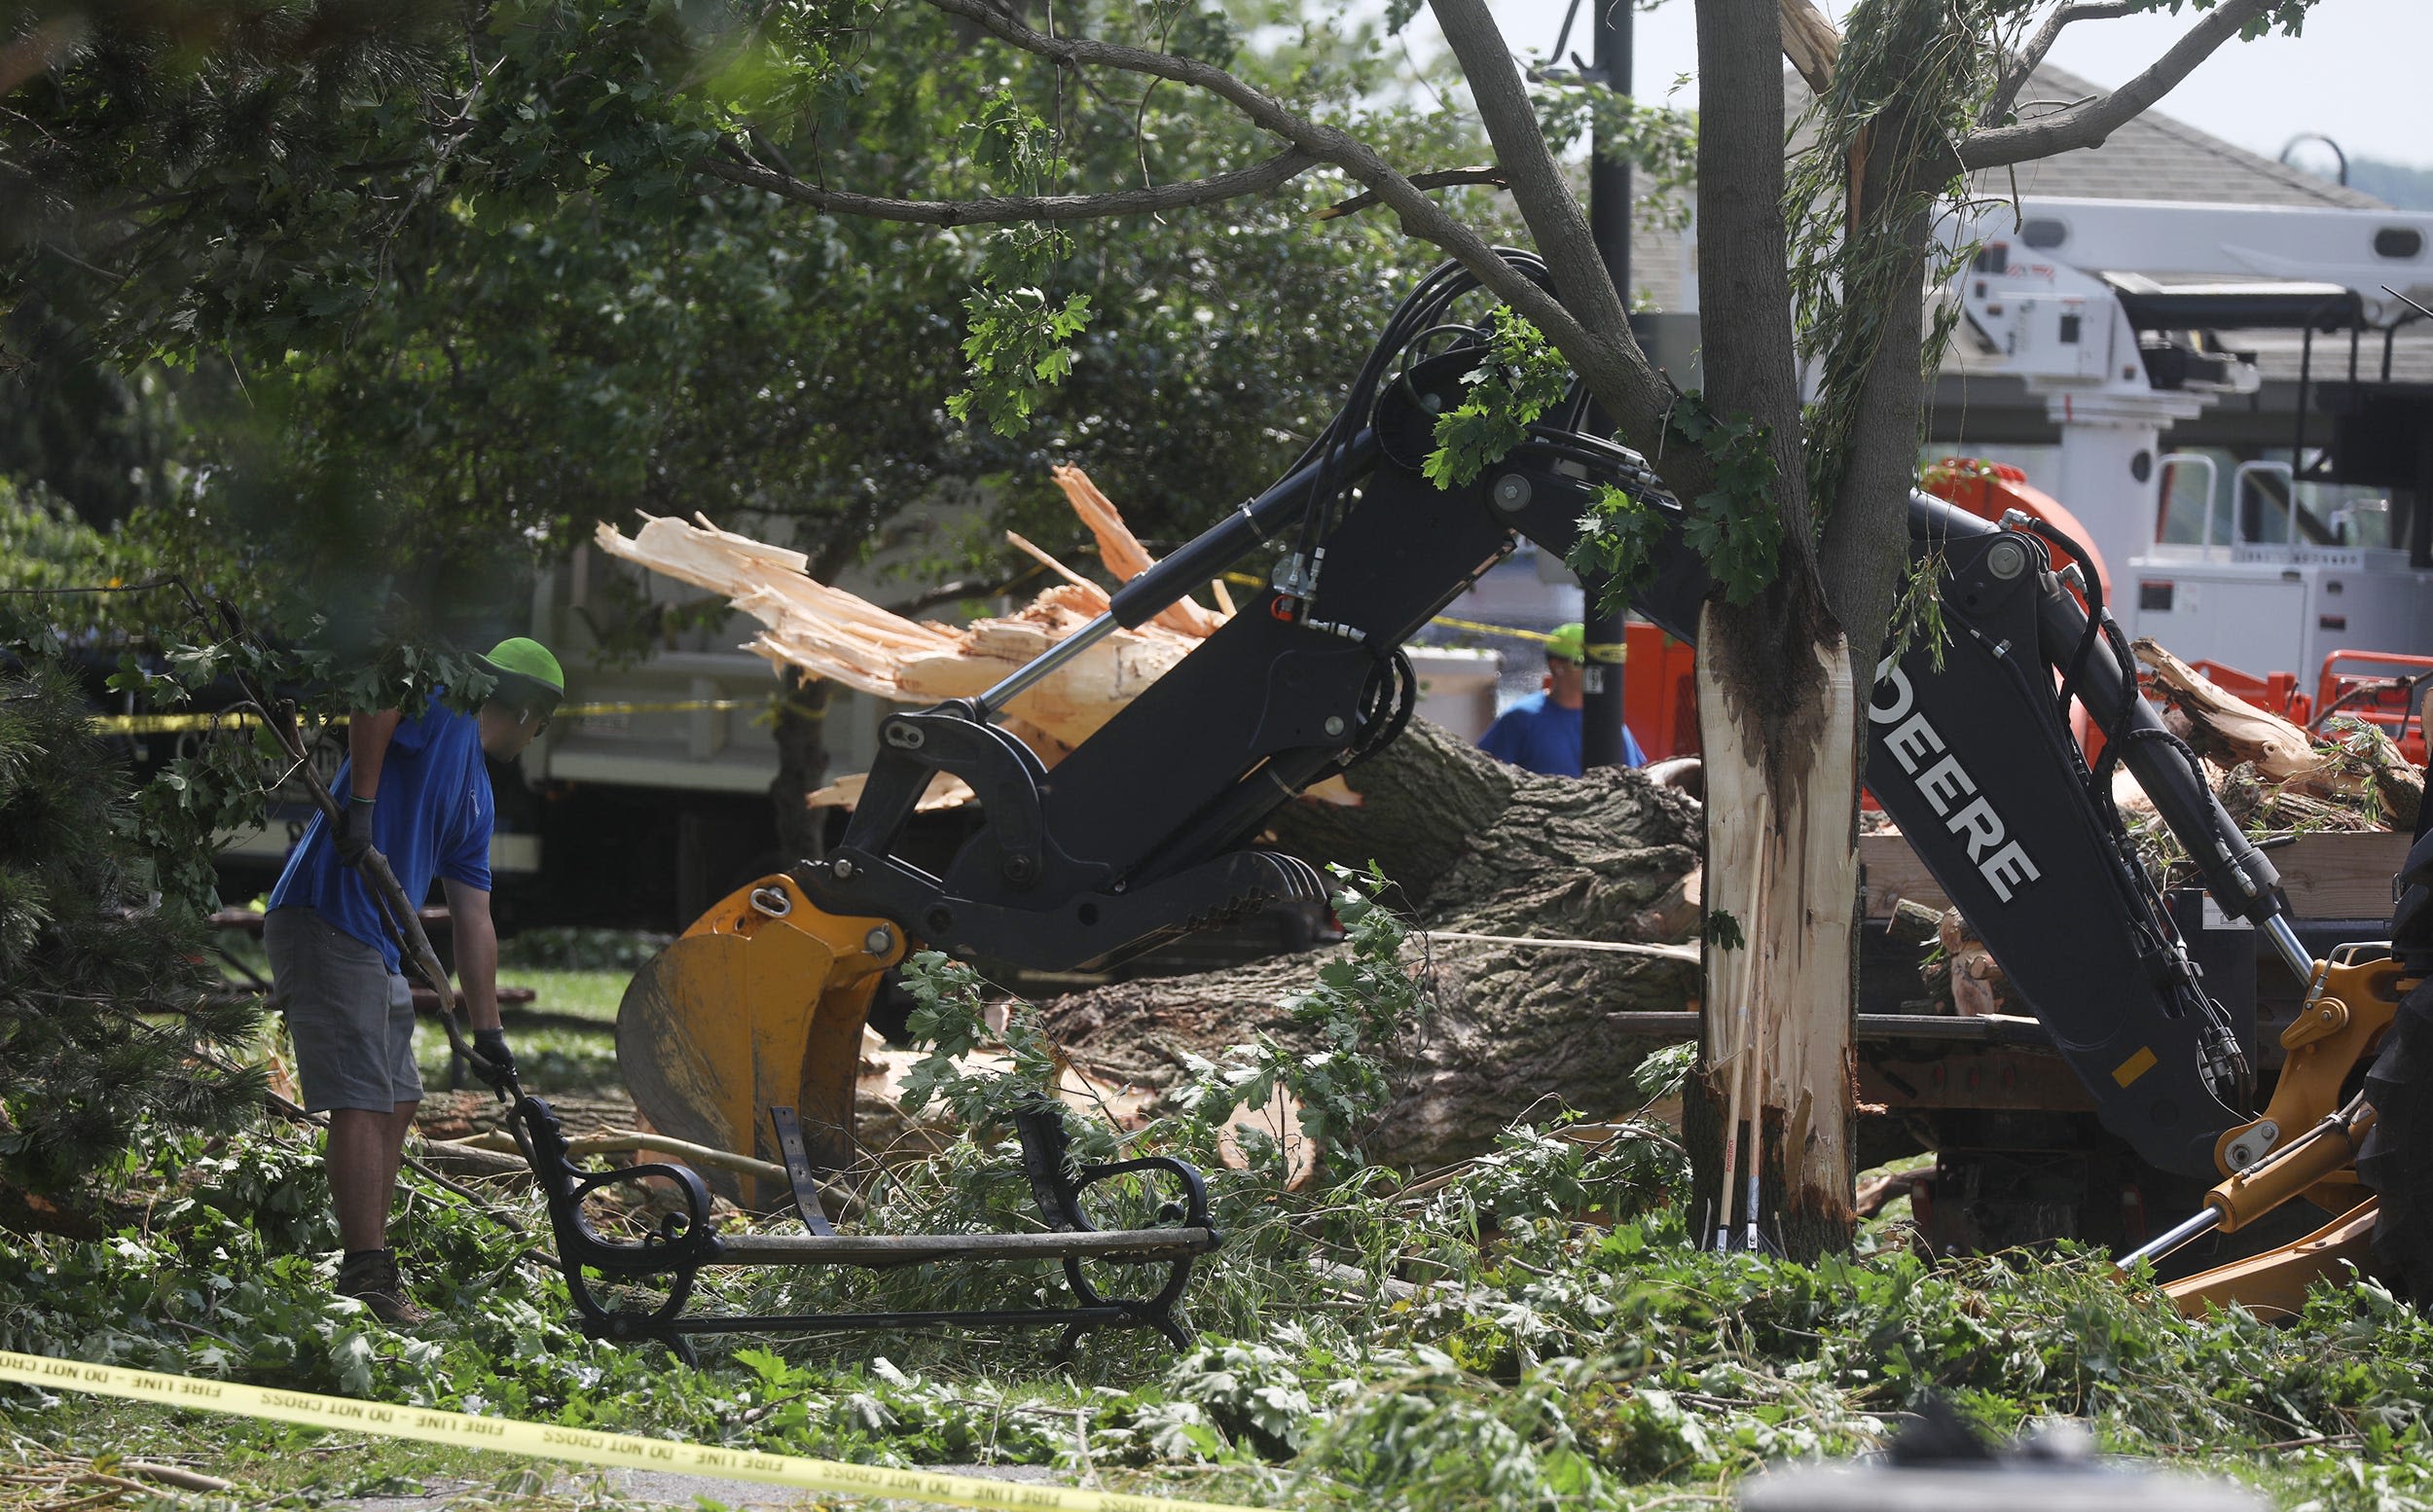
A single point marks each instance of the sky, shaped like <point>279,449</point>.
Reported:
<point>2362,73</point>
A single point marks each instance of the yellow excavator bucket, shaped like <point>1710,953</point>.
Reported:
<point>760,1003</point>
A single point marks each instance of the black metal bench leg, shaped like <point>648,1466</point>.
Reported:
<point>799,1174</point>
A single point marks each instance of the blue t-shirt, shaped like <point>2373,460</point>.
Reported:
<point>433,819</point>
<point>1544,737</point>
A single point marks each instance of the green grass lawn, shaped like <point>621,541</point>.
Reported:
<point>557,1057</point>
<point>553,1057</point>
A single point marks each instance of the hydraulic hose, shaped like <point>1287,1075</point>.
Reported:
<point>2238,875</point>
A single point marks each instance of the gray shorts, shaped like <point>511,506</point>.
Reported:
<point>351,1017</point>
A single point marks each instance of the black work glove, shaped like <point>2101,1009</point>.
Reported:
<point>498,1063</point>
<point>354,832</point>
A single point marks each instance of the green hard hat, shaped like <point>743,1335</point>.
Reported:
<point>1568,641</point>
<point>528,677</point>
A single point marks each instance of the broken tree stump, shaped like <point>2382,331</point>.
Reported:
<point>1782,893</point>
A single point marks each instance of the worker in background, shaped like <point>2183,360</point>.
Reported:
<point>417,791</point>
<point>1542,732</point>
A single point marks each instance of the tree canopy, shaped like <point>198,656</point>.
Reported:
<point>465,281</point>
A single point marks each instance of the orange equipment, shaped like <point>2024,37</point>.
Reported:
<point>759,1005</point>
<point>1661,691</point>
<point>2390,697</point>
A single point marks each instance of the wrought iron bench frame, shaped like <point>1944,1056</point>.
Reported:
<point>688,1242</point>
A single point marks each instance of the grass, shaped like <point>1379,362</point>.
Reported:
<point>564,1058</point>
<point>1475,1345</point>
<point>556,1058</point>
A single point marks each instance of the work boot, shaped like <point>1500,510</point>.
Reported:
<point>371,1278</point>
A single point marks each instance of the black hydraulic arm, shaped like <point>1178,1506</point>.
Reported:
<point>1973,757</point>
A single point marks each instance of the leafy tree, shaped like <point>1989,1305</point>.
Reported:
<point>488,294</point>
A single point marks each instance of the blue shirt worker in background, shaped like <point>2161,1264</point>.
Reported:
<point>1542,732</point>
<point>417,791</point>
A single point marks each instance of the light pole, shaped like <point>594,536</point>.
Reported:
<point>1608,222</point>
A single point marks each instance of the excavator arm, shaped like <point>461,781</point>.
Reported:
<point>1144,830</point>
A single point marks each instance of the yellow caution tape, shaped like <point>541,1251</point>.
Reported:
<point>680,706</point>
<point>170,724</point>
<point>1540,637</point>
<point>578,1446</point>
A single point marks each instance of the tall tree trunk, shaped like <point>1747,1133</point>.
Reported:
<point>801,733</point>
<point>1777,710</point>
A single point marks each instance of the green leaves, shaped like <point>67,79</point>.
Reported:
<point>1733,524</point>
<point>1019,345</point>
<point>950,1021</point>
<point>1722,931</point>
<point>1521,378</point>
<point>1618,540</point>
<point>1020,336</point>
<point>1364,1003</point>
<point>1659,141</point>
<point>1918,614</point>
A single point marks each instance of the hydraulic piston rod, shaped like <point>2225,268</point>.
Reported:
<point>2294,953</point>
<point>2285,1174</point>
<point>2205,1221</point>
<point>993,703</point>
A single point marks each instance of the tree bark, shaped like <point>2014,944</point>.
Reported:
<point>1480,847</point>
<point>801,733</point>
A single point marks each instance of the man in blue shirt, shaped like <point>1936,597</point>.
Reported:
<point>1542,732</point>
<point>415,790</point>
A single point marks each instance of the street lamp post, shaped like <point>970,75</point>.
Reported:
<point>1608,222</point>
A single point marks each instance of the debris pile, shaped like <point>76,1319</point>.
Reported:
<point>2273,776</point>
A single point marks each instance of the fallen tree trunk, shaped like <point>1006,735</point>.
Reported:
<point>1477,847</point>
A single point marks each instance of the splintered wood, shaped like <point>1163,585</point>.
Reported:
<point>832,634</point>
<point>1775,1050</point>
<point>2227,729</point>
<point>2352,777</point>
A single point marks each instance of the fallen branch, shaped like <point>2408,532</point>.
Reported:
<point>2230,729</point>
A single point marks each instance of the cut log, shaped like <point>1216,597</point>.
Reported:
<point>1477,847</point>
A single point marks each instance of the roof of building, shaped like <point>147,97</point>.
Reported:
<point>2153,157</point>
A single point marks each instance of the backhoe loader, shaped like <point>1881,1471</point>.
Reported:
<point>1147,829</point>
